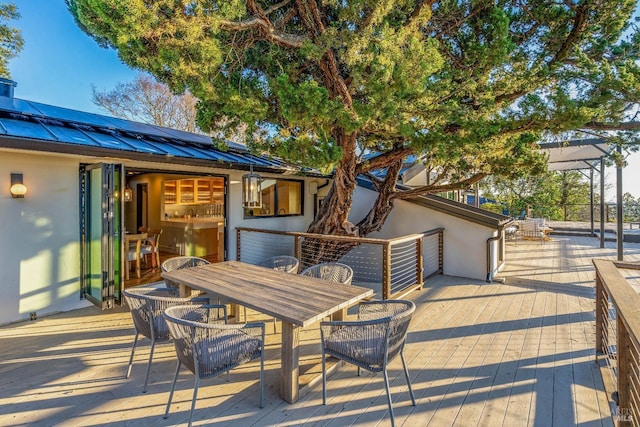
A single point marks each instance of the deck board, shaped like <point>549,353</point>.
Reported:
<point>479,354</point>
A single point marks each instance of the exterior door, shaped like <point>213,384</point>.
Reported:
<point>101,207</point>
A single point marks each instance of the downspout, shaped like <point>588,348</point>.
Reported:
<point>489,241</point>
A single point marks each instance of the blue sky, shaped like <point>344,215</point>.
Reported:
<point>59,64</point>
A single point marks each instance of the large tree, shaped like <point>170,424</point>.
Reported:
<point>10,37</point>
<point>471,85</point>
<point>149,101</point>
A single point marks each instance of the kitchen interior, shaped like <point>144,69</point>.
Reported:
<point>190,211</point>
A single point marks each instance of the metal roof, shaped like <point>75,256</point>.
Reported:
<point>576,154</point>
<point>41,127</point>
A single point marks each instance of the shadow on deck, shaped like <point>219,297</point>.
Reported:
<point>518,353</point>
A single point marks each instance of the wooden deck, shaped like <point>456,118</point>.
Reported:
<point>518,353</point>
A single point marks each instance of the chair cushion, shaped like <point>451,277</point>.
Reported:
<point>362,345</point>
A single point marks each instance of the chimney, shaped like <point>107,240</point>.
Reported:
<point>6,87</point>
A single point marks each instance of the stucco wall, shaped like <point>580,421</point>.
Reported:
<point>39,237</point>
<point>464,242</point>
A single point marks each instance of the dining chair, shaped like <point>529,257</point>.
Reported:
<point>332,271</point>
<point>146,306</point>
<point>209,349</point>
<point>151,246</point>
<point>370,342</point>
<point>285,263</point>
<point>179,262</point>
<point>133,243</point>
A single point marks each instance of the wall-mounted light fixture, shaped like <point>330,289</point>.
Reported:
<point>18,189</point>
<point>251,190</point>
<point>128,194</point>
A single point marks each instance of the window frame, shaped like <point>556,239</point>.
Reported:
<point>276,207</point>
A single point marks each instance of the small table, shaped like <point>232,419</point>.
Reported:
<point>298,301</point>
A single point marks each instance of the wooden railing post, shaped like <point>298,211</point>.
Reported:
<point>386,271</point>
<point>624,370</point>
<point>600,310</point>
<point>296,247</point>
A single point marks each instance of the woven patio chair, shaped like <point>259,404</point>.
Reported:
<point>371,341</point>
<point>179,262</point>
<point>146,306</point>
<point>332,271</point>
<point>286,263</point>
<point>210,349</point>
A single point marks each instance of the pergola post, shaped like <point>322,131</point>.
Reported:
<point>602,202</point>
<point>619,218</point>
<point>591,201</point>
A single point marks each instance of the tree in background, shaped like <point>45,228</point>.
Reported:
<point>630,208</point>
<point>472,85</point>
<point>10,37</point>
<point>555,195</point>
<point>146,100</point>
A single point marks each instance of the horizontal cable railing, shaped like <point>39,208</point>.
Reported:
<point>388,266</point>
<point>617,336</point>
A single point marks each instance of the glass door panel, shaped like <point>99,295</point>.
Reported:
<point>101,231</point>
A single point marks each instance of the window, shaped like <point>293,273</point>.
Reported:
<point>280,197</point>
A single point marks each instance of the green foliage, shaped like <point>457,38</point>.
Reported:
<point>10,37</point>
<point>555,195</point>
<point>468,86</point>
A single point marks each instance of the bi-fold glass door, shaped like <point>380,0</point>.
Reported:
<point>101,228</point>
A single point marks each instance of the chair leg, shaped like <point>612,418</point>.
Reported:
<point>146,378</point>
<point>195,396</point>
<point>133,349</point>
<point>406,375</point>
<point>386,384</point>
<point>173,387</point>
<point>262,377</point>
<point>324,378</point>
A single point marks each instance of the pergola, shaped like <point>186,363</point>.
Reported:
<point>589,154</point>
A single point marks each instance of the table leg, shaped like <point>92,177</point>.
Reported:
<point>289,373</point>
<point>184,291</point>
<point>339,315</point>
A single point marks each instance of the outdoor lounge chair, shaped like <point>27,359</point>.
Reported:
<point>370,342</point>
<point>146,306</point>
<point>209,349</point>
<point>332,271</point>
<point>179,262</point>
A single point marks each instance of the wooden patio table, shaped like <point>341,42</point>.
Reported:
<point>297,301</point>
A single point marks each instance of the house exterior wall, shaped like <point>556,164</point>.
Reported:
<point>40,234</point>
<point>465,243</point>
<point>39,237</point>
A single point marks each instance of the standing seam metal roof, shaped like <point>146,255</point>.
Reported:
<point>36,126</point>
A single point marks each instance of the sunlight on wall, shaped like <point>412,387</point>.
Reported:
<point>36,283</point>
<point>48,278</point>
<point>68,271</point>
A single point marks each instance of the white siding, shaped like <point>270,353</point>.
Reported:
<point>465,243</point>
<point>39,237</point>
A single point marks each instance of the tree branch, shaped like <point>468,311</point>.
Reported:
<point>427,189</point>
<point>383,160</point>
<point>635,125</point>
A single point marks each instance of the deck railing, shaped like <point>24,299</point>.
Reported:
<point>617,335</point>
<point>391,267</point>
